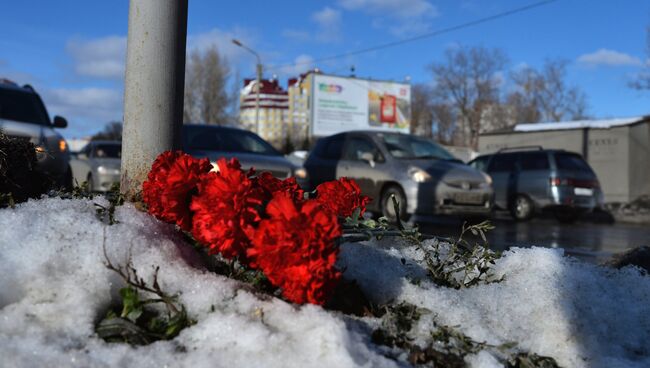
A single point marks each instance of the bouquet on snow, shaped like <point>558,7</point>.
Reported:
<point>265,222</point>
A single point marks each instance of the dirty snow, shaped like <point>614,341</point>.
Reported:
<point>54,289</point>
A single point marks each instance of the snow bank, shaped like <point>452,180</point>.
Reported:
<point>54,289</point>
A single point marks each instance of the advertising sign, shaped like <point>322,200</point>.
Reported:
<point>343,104</point>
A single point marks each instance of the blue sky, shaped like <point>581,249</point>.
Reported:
<point>73,51</point>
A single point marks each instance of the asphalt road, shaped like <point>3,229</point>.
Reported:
<point>589,239</point>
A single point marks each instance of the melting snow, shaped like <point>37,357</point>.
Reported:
<point>54,289</point>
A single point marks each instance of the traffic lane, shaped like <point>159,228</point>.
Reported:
<point>592,241</point>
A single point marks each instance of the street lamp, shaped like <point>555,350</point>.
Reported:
<point>258,81</point>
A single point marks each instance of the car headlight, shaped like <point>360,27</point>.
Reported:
<point>108,170</point>
<point>418,175</point>
<point>41,152</point>
<point>300,173</point>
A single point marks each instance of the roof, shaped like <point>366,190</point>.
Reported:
<point>580,124</point>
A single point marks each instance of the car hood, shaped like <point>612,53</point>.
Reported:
<point>17,129</point>
<point>277,165</point>
<point>451,172</point>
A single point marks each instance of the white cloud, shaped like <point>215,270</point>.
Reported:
<point>301,64</point>
<point>102,57</point>
<point>609,58</point>
<point>404,9</point>
<point>222,40</point>
<point>408,17</point>
<point>327,17</point>
<point>329,24</point>
<point>100,104</point>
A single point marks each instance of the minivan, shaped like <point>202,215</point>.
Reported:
<point>530,180</point>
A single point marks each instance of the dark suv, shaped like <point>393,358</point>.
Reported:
<point>528,180</point>
<point>23,115</point>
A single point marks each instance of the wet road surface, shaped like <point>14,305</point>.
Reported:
<point>587,239</point>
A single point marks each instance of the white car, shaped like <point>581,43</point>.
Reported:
<point>98,164</point>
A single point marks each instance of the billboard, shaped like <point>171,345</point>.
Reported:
<point>341,104</point>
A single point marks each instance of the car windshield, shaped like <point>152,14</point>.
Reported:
<point>225,140</point>
<point>110,150</point>
<point>22,106</point>
<point>571,161</point>
<point>403,146</point>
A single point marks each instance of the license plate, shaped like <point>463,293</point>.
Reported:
<point>583,191</point>
<point>468,198</point>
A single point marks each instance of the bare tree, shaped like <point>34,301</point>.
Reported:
<point>545,95</point>
<point>421,110</point>
<point>112,132</point>
<point>444,122</point>
<point>642,79</point>
<point>468,80</point>
<point>206,78</point>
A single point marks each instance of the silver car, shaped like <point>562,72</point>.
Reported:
<point>425,179</point>
<point>214,142</point>
<point>98,164</point>
<point>23,115</point>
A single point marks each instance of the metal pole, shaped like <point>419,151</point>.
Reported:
<point>257,96</point>
<point>153,87</point>
<point>258,81</point>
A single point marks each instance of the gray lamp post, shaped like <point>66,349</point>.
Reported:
<point>153,87</point>
<point>258,81</point>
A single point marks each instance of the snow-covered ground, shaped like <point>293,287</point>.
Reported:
<point>54,288</point>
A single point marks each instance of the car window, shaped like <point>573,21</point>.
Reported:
<point>403,146</point>
<point>22,106</point>
<point>503,163</point>
<point>108,151</point>
<point>534,161</point>
<point>357,146</point>
<point>480,163</point>
<point>333,148</point>
<point>225,140</point>
<point>571,161</point>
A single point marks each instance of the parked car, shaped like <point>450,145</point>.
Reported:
<point>98,164</point>
<point>23,115</point>
<point>214,142</point>
<point>529,180</point>
<point>423,176</point>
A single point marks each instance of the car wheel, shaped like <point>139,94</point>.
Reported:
<point>387,207</point>
<point>566,217</point>
<point>522,208</point>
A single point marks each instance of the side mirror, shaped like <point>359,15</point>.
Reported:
<point>369,158</point>
<point>82,156</point>
<point>59,122</point>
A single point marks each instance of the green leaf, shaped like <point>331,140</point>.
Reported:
<point>131,305</point>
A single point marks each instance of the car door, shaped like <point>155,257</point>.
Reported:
<point>534,177</point>
<point>80,166</point>
<point>502,169</point>
<point>321,164</point>
<point>354,164</point>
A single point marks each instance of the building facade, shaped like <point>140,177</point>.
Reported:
<point>617,149</point>
<point>270,121</point>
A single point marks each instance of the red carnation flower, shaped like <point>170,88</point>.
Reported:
<point>170,185</point>
<point>295,248</point>
<point>271,185</point>
<point>225,206</point>
<point>341,197</point>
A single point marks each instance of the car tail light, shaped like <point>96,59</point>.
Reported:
<point>575,183</point>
